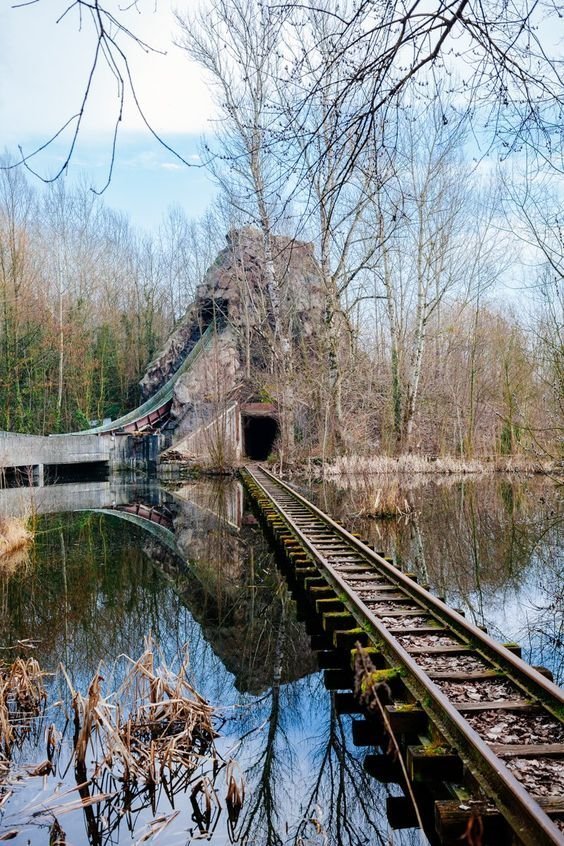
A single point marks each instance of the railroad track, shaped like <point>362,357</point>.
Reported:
<point>502,719</point>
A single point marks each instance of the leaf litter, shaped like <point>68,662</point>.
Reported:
<point>499,726</point>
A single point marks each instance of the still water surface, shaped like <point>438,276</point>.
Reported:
<point>96,584</point>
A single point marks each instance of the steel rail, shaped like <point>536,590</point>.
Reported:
<point>527,819</point>
<point>159,400</point>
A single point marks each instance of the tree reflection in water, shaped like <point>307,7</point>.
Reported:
<point>491,545</point>
<point>95,586</point>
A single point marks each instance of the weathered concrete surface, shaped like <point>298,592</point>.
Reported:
<point>218,443</point>
<point>202,393</point>
<point>22,502</point>
<point>33,450</point>
<point>223,500</point>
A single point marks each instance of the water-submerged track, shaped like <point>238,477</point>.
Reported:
<point>457,678</point>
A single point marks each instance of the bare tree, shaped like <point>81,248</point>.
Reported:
<point>18,266</point>
<point>237,44</point>
<point>534,213</point>
<point>501,62</point>
<point>433,244</point>
<point>332,211</point>
<point>110,41</point>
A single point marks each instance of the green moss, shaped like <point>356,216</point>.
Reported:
<point>371,651</point>
<point>377,677</point>
<point>558,712</point>
<point>435,749</point>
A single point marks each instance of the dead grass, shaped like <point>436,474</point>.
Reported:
<point>150,735</point>
<point>14,535</point>
<point>154,723</point>
<point>19,561</point>
<point>425,464</point>
<point>22,695</point>
<point>385,501</point>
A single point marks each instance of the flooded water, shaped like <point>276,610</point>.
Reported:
<point>114,562</point>
<point>491,546</point>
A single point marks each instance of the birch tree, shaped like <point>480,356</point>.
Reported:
<point>332,210</point>
<point>431,248</point>
<point>237,44</point>
<point>18,268</point>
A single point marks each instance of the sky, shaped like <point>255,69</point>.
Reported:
<point>44,66</point>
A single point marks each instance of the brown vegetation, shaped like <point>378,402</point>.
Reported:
<point>22,695</point>
<point>356,465</point>
<point>384,498</point>
<point>14,536</point>
<point>160,722</point>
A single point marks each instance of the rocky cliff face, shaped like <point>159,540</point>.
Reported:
<point>250,300</point>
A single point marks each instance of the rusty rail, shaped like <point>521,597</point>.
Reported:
<point>325,543</point>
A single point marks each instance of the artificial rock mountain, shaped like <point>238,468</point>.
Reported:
<point>257,304</point>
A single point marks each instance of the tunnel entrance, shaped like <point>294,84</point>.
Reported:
<point>214,310</point>
<point>259,434</point>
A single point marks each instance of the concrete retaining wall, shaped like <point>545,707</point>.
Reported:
<point>220,441</point>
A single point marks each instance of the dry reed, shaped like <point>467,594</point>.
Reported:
<point>150,735</point>
<point>415,464</point>
<point>14,535</point>
<point>22,696</point>
<point>158,724</point>
<point>386,501</point>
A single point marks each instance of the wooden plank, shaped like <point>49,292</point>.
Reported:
<point>528,750</point>
<point>506,705</point>
<point>426,764</point>
<point>452,816</point>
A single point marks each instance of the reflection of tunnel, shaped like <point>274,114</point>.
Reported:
<point>258,436</point>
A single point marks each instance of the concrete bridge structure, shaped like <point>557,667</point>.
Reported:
<point>132,440</point>
<point>202,391</point>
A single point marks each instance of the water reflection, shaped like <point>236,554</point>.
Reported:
<point>492,546</point>
<point>198,572</point>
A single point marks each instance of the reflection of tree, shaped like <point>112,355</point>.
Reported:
<point>542,632</point>
<point>262,810</point>
<point>326,798</point>
<point>341,800</point>
<point>90,587</point>
<point>490,544</point>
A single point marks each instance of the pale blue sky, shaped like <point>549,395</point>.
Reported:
<point>43,69</point>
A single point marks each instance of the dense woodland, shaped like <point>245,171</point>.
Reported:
<point>441,266</point>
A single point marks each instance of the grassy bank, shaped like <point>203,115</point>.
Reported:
<point>415,464</point>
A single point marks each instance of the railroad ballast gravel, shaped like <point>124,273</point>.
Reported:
<point>509,727</point>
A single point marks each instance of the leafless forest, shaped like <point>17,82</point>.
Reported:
<point>418,148</point>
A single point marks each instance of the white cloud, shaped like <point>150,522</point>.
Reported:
<point>44,67</point>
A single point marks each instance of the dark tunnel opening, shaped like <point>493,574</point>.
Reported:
<point>259,434</point>
<point>213,310</point>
